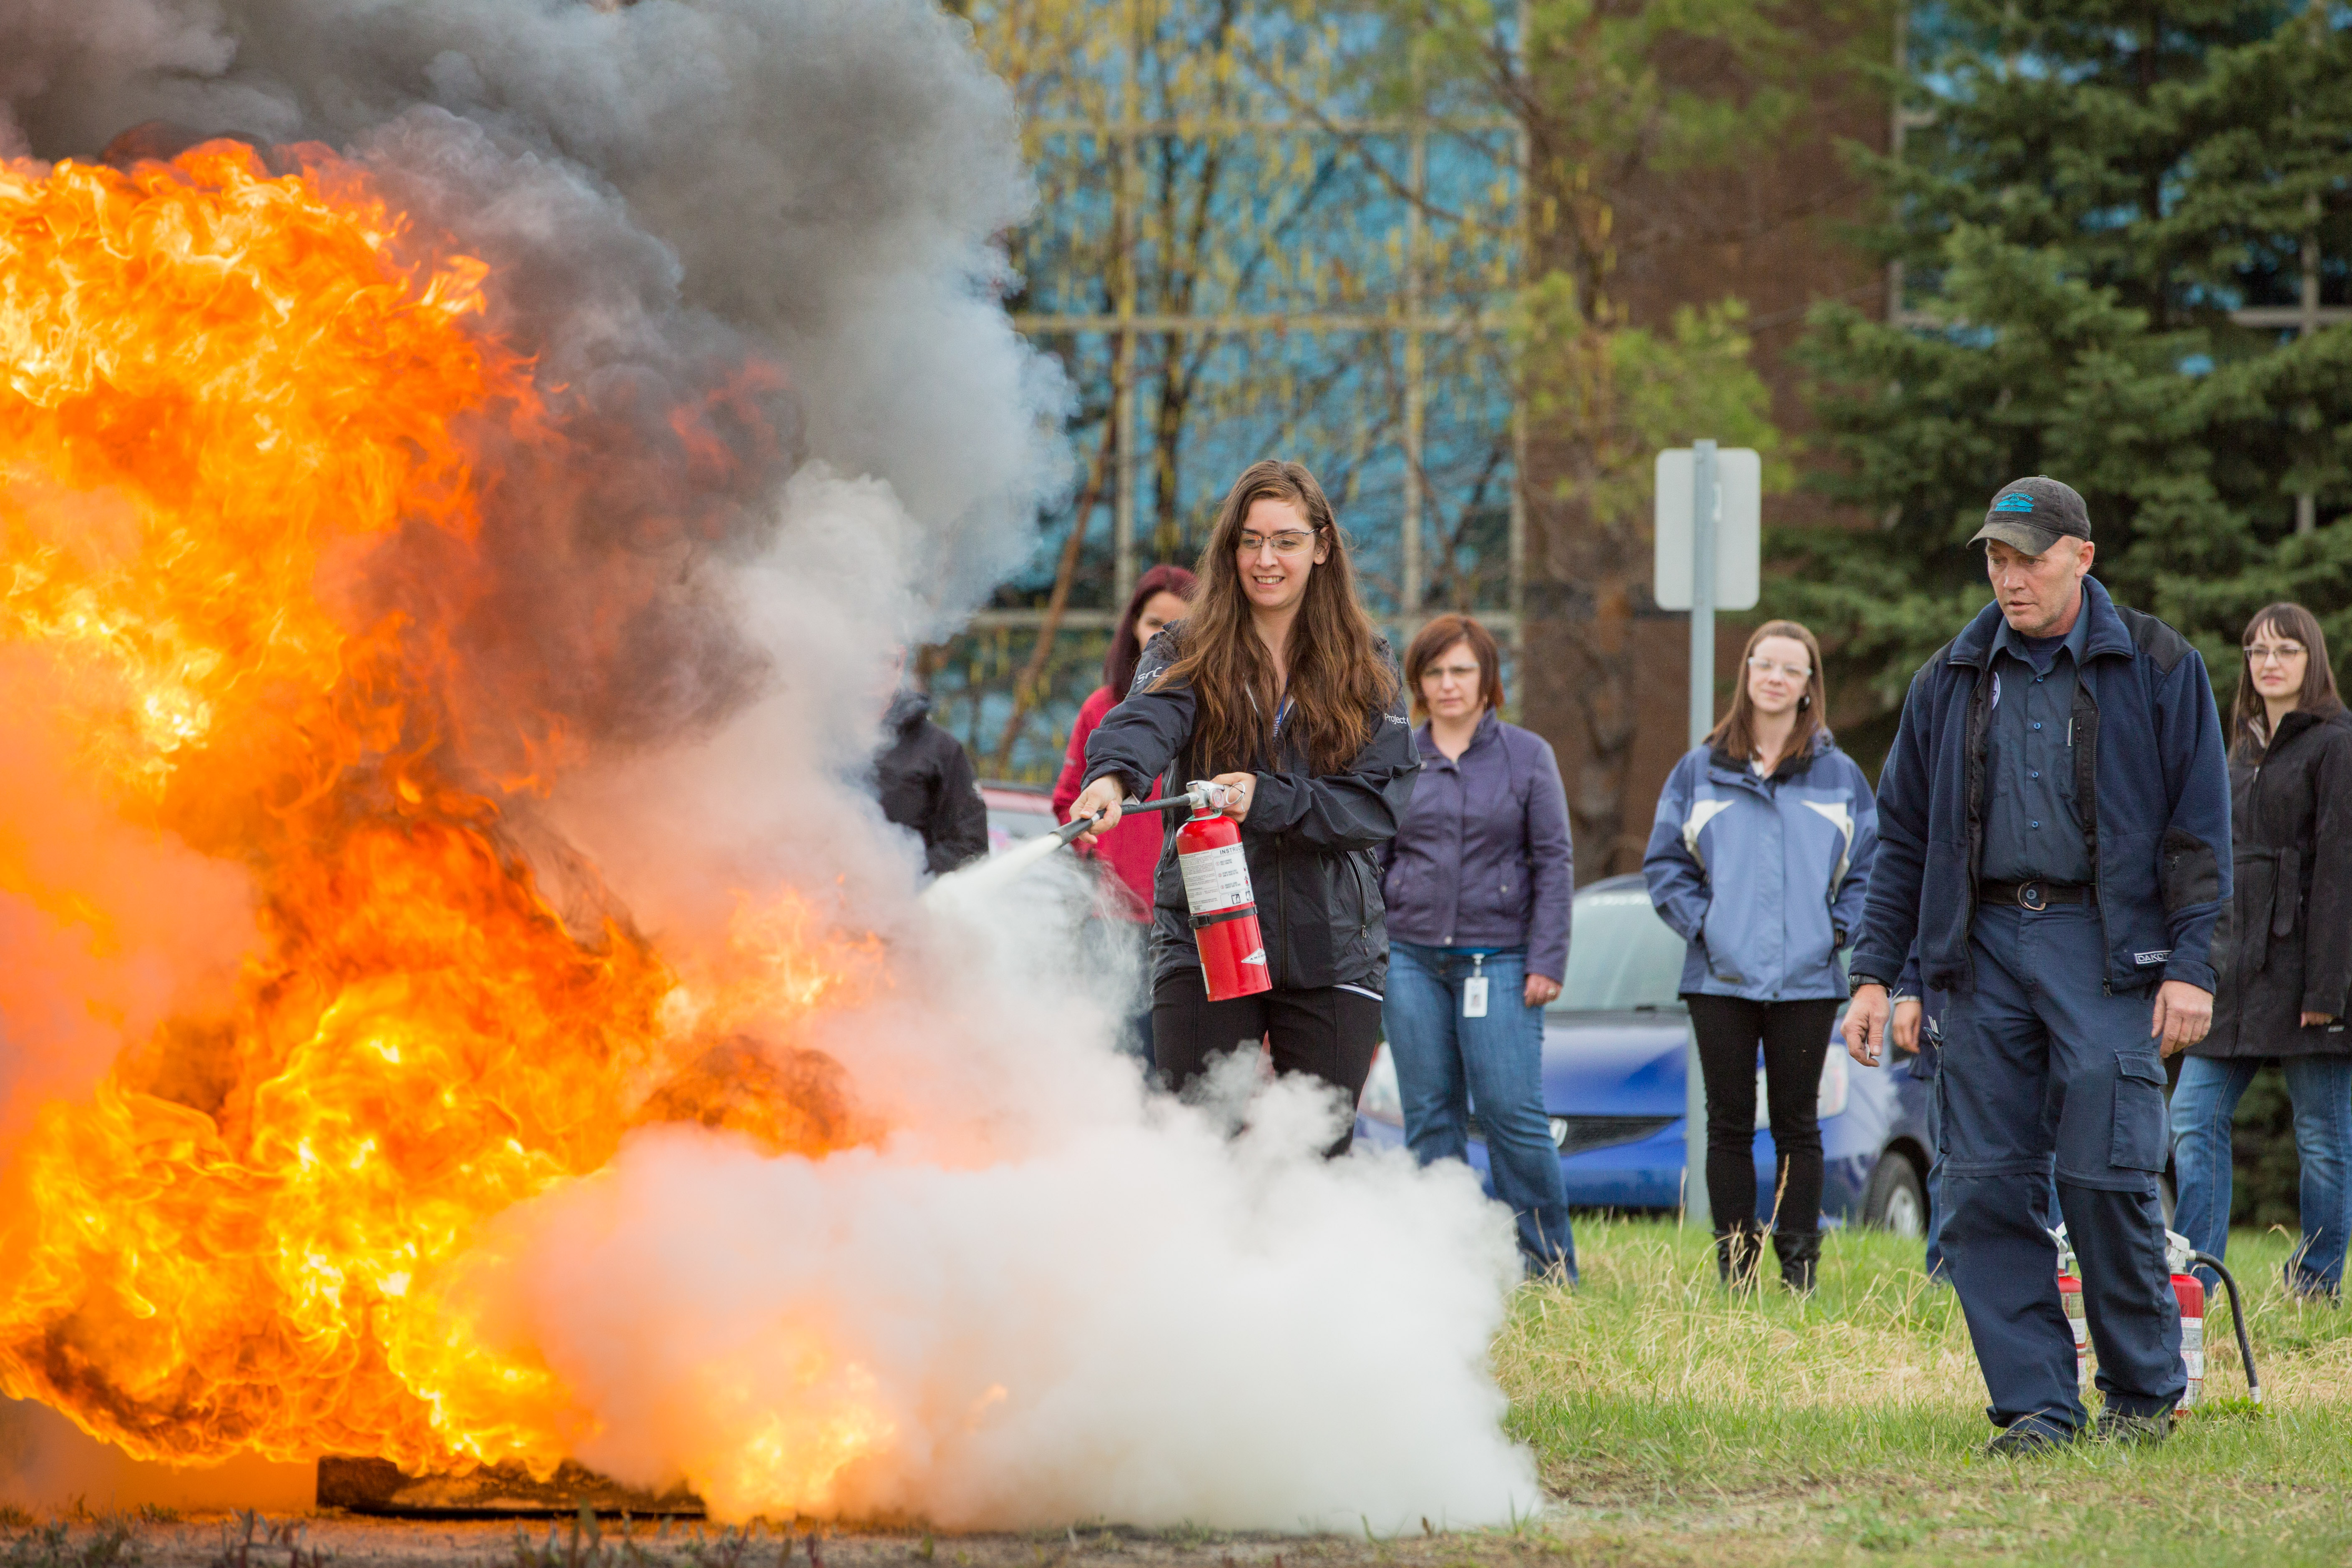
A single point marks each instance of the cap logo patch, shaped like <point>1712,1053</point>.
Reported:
<point>2016,500</point>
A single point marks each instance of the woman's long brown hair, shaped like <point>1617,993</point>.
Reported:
<point>1736,736</point>
<point>2249,718</point>
<point>1340,680</point>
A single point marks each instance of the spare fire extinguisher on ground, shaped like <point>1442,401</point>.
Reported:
<point>1217,889</point>
<point>2188,1290</point>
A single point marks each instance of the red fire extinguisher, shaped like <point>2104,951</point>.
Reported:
<point>2189,1291</point>
<point>1225,911</point>
<point>1217,891</point>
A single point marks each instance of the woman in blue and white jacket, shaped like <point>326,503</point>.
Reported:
<point>1760,859</point>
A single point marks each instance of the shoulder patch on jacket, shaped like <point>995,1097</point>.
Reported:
<point>2154,638</point>
<point>1702,812</point>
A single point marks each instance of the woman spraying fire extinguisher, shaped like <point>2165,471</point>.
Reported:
<point>1276,687</point>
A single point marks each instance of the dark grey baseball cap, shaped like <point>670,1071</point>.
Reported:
<point>2034,514</point>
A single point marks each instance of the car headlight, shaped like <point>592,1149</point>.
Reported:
<point>1382,1102</point>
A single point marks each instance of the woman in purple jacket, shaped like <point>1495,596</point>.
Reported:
<point>1478,883</point>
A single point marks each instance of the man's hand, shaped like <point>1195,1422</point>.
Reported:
<point>1906,1024</point>
<point>1541,990</point>
<point>2311,1018</point>
<point>1102,801</point>
<point>1244,790</point>
<point>2183,1014</point>
<point>1866,1024</point>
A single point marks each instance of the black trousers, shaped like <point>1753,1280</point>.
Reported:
<point>1329,1032</point>
<point>1796,1037</point>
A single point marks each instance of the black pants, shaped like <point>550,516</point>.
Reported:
<point>1329,1032</point>
<point>1796,1037</point>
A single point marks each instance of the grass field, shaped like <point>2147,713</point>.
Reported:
<point>1675,1425</point>
<point>1678,1425</point>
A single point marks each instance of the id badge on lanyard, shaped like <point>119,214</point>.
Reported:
<point>1474,990</point>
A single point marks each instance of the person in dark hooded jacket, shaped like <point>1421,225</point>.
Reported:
<point>1275,686</point>
<point>925,781</point>
<point>2282,951</point>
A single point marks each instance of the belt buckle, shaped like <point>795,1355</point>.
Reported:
<point>2030,896</point>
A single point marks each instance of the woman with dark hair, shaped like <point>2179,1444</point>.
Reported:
<point>2283,950</point>
<point>1132,849</point>
<point>1274,685</point>
<point>1760,859</point>
<point>1478,884</point>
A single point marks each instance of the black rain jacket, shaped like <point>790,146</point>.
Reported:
<point>925,781</point>
<point>2284,944</point>
<point>1311,838</point>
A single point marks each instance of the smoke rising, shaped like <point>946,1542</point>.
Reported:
<point>747,244</point>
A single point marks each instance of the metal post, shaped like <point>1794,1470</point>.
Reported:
<point>1704,509</point>
<point>1125,222</point>
<point>1410,590</point>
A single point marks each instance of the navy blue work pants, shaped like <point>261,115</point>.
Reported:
<point>2043,1069</point>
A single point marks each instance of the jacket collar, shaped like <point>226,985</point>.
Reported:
<point>2296,723</point>
<point>907,709</point>
<point>1790,766</point>
<point>1490,728</point>
<point>2107,633</point>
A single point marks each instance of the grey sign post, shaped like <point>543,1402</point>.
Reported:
<point>1717,495</point>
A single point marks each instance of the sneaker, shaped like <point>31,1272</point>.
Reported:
<point>2029,1434</point>
<point>2132,1431</point>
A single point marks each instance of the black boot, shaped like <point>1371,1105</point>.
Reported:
<point>1800,1253</point>
<point>1738,1246</point>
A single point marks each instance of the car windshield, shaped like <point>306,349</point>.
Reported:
<point>1621,955</point>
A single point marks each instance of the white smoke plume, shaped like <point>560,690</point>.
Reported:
<point>1044,1295</point>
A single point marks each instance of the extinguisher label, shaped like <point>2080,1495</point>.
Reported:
<point>1215,878</point>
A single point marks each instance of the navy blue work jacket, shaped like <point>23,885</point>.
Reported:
<point>2150,772</point>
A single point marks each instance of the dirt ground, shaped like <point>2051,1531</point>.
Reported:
<point>336,1539</point>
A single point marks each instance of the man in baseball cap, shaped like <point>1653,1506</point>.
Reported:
<point>2054,833</point>
<point>2031,515</point>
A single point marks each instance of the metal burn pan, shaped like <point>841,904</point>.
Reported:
<point>380,1488</point>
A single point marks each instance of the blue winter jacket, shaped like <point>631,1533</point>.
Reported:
<point>2148,760</point>
<point>1763,877</point>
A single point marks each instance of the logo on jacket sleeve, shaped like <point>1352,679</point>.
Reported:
<point>2157,957</point>
<point>2016,500</point>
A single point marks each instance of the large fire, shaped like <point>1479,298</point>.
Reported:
<point>226,386</point>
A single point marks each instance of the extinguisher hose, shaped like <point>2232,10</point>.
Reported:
<point>2238,1318</point>
<point>1070,830</point>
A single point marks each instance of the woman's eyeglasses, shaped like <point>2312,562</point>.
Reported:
<point>2263,653</point>
<point>1796,672</point>
<point>1289,542</point>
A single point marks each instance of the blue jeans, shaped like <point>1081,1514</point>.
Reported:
<point>2320,1089</point>
<point>1446,1062</point>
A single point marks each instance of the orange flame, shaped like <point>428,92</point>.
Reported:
<point>223,386</point>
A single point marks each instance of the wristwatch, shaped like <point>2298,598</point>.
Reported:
<point>1857,979</point>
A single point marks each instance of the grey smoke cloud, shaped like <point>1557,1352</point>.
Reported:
<point>823,177</point>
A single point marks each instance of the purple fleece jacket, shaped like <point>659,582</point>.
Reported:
<point>1483,858</point>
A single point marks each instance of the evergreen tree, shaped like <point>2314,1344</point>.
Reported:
<point>2099,186</point>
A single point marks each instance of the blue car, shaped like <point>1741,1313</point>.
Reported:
<point>1614,1048</point>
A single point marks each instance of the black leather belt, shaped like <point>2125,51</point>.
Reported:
<point>2034,895</point>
